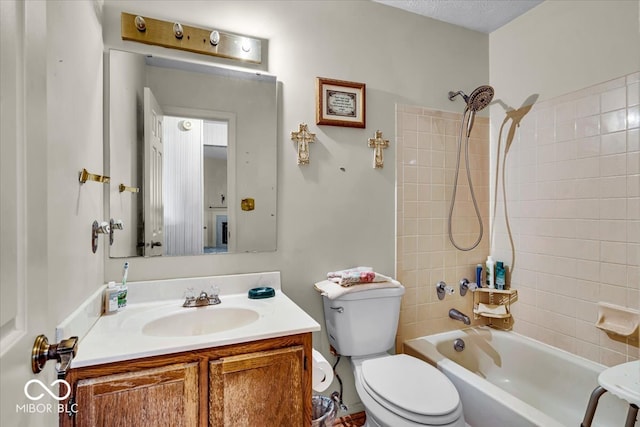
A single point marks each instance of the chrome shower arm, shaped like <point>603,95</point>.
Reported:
<point>452,95</point>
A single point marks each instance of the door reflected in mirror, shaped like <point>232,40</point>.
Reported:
<point>207,142</point>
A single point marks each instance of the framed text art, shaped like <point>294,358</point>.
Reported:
<point>340,103</point>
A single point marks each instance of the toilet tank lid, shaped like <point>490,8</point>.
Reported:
<point>371,293</point>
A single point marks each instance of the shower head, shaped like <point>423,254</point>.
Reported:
<point>479,98</point>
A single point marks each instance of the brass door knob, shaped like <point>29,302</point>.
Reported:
<point>63,352</point>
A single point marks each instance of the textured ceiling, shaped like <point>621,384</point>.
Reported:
<point>479,15</point>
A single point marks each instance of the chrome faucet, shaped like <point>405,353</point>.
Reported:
<point>202,300</point>
<point>456,315</point>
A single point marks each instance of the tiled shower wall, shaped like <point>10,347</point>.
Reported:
<point>426,164</point>
<point>573,208</point>
<point>570,228</point>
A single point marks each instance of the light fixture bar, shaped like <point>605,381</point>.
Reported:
<point>193,39</point>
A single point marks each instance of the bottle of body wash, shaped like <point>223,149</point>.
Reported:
<point>500,275</point>
<point>490,272</point>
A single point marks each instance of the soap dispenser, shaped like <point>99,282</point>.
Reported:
<point>111,298</point>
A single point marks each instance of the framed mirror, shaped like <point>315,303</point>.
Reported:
<point>191,151</point>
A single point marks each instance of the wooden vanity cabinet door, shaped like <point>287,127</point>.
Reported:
<point>258,389</point>
<point>166,396</point>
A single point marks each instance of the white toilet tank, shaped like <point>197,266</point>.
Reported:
<point>363,323</point>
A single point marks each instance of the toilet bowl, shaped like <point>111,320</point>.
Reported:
<point>402,391</point>
<point>396,390</point>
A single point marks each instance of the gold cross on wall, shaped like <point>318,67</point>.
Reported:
<point>303,137</point>
<point>378,144</point>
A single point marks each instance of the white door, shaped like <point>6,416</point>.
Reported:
<point>23,219</point>
<point>152,186</point>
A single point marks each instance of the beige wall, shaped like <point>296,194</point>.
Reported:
<point>571,170</point>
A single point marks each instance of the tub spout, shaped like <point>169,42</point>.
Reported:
<point>456,315</point>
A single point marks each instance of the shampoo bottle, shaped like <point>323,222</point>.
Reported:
<point>490,272</point>
<point>479,275</point>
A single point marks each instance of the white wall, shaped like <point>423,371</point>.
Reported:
<point>74,141</point>
<point>562,46</point>
<point>327,218</point>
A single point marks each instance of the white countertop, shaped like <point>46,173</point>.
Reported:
<point>119,336</point>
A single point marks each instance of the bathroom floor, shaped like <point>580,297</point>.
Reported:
<point>353,420</point>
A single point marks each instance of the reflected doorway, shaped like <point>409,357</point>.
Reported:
<point>197,185</point>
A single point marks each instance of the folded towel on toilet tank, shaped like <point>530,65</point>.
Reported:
<point>333,290</point>
<point>356,275</point>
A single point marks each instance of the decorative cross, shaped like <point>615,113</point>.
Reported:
<point>378,144</point>
<point>303,137</point>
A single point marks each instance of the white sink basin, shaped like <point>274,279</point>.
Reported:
<point>200,321</point>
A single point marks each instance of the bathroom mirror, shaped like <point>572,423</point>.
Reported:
<point>191,152</point>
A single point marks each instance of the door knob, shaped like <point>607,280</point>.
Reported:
<point>63,352</point>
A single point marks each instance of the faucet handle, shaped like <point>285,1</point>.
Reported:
<point>189,294</point>
<point>214,291</point>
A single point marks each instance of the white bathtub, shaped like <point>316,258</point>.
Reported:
<point>508,380</point>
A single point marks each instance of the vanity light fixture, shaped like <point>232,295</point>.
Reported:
<point>303,137</point>
<point>177,30</point>
<point>175,35</point>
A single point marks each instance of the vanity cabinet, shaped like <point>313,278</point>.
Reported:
<point>261,383</point>
<point>166,396</point>
<point>257,389</point>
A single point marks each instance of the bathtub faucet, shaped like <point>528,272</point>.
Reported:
<point>456,315</point>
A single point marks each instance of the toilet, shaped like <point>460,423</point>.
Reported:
<point>396,390</point>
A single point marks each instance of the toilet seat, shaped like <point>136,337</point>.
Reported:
<point>412,389</point>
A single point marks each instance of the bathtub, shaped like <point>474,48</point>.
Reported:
<point>506,379</point>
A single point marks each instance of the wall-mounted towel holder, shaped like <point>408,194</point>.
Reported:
<point>122,188</point>
<point>86,176</point>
